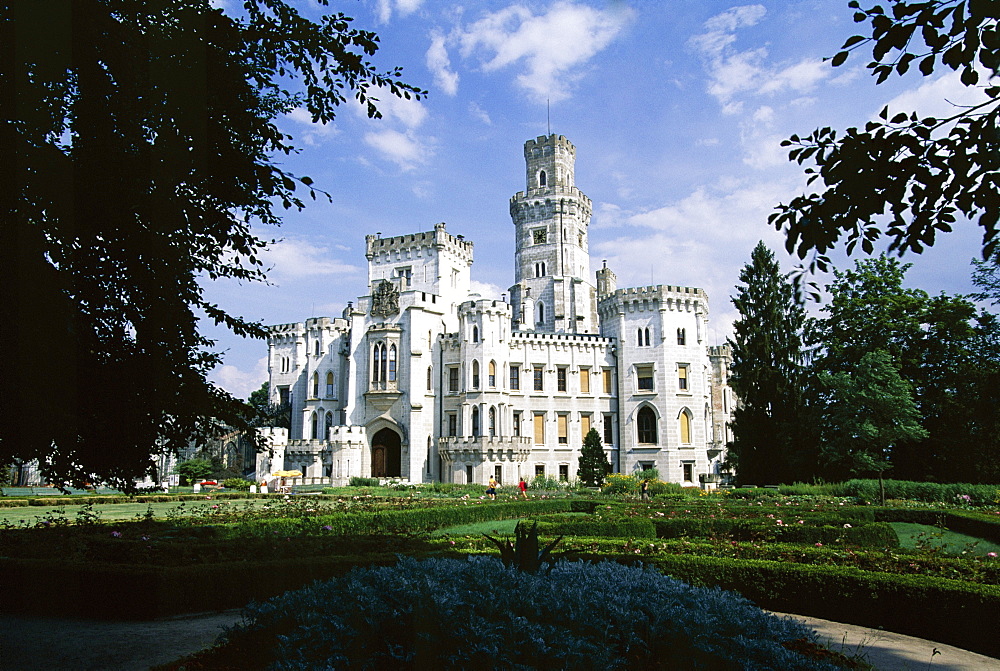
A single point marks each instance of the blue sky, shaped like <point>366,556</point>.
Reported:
<point>677,109</point>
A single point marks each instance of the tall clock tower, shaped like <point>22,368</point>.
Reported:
<point>552,292</point>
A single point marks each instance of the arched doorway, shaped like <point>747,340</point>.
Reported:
<point>386,454</point>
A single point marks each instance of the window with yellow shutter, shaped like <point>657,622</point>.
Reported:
<point>584,425</point>
<point>584,380</point>
<point>539,428</point>
<point>563,429</point>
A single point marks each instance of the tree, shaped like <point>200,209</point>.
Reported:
<point>868,412</point>
<point>139,141</point>
<point>594,464</point>
<point>766,375</point>
<point>947,350</point>
<point>904,177</point>
<point>195,469</point>
<point>269,414</point>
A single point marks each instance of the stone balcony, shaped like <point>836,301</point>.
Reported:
<point>485,448</point>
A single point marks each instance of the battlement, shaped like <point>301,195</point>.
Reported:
<point>438,239</point>
<point>486,306</point>
<point>724,351</point>
<point>347,434</point>
<point>529,205</point>
<point>564,338</point>
<point>543,141</point>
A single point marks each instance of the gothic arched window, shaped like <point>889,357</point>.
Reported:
<point>316,349</point>
<point>475,421</point>
<point>640,337</point>
<point>685,427</point>
<point>475,334</point>
<point>315,428</point>
<point>541,178</point>
<point>475,374</point>
<point>493,421</point>
<point>681,337</point>
<point>315,385</point>
<point>493,374</point>
<point>646,423</point>
<point>647,336</point>
<point>329,385</point>
<point>392,363</point>
<point>540,313</point>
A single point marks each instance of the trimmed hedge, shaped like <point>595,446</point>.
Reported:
<point>939,609</point>
<point>615,527</point>
<point>13,503</point>
<point>415,520</point>
<point>875,534</point>
<point>931,492</point>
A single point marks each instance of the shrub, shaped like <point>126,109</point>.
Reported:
<point>364,482</point>
<point>238,484</point>
<point>620,485</point>
<point>930,492</point>
<point>614,527</point>
<point>193,470</point>
<point>453,614</point>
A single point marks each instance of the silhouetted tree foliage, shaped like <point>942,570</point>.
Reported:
<point>903,177</point>
<point>138,144</point>
<point>769,423</point>
<point>269,414</point>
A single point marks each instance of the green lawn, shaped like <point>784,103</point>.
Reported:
<point>912,536</point>
<point>505,527</point>
<point>114,511</point>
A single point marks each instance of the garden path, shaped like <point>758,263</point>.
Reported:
<point>44,643</point>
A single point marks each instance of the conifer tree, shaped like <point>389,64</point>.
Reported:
<point>766,374</point>
<point>594,464</point>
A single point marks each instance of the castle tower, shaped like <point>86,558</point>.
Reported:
<point>552,292</point>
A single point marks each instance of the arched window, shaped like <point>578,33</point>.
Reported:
<point>540,313</point>
<point>646,423</point>
<point>429,386</point>
<point>685,426</point>
<point>428,455</point>
<point>543,268</point>
<point>475,374</point>
<point>329,425</point>
<point>475,334</point>
<point>647,336</point>
<point>329,385</point>
<point>475,421</point>
<point>681,337</point>
<point>315,393</point>
<point>639,337</point>
<point>376,357</point>
<point>493,421</point>
<point>493,374</point>
<point>392,363</point>
<point>315,428</point>
<point>316,349</point>
<point>541,178</point>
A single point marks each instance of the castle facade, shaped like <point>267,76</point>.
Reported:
<point>424,381</point>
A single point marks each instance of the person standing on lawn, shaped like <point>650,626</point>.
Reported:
<point>523,486</point>
<point>491,489</point>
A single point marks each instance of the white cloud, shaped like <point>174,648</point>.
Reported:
<point>732,72</point>
<point>485,289</point>
<point>312,133</point>
<point>549,49</point>
<point>440,65</point>
<point>479,113</point>
<point>941,97</point>
<point>411,113</point>
<point>294,258</point>
<point>385,8</point>
<point>240,383</point>
<point>403,149</point>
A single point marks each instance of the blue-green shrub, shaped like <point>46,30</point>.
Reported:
<point>453,614</point>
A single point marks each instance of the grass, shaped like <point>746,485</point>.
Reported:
<point>495,527</point>
<point>112,511</point>
<point>914,536</point>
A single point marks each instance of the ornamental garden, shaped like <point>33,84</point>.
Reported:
<point>440,576</point>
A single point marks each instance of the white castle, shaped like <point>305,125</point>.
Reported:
<point>424,381</point>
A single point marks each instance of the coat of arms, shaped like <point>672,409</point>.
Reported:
<point>385,300</point>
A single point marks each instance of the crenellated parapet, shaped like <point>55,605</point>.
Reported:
<point>659,297</point>
<point>417,245</point>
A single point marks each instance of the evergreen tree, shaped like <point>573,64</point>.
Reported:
<point>594,464</point>
<point>768,423</point>
<point>139,143</point>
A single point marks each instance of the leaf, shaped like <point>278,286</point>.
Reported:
<point>927,65</point>
<point>840,58</point>
<point>852,40</point>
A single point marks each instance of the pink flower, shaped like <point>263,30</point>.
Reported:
<point>452,542</point>
<point>326,527</point>
<point>819,545</point>
<point>802,521</point>
<point>116,534</point>
<point>991,555</point>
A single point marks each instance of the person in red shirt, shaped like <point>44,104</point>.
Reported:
<point>523,486</point>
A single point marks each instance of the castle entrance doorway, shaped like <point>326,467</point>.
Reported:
<point>386,461</point>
